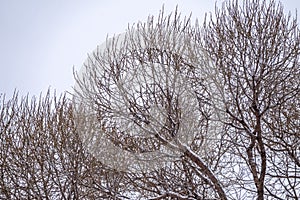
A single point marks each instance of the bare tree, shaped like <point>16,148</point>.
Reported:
<point>255,47</point>
<point>143,93</point>
<point>41,154</point>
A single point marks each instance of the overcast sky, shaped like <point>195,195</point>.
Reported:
<point>41,41</point>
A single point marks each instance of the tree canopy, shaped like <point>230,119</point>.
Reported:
<point>170,109</point>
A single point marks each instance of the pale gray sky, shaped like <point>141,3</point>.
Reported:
<point>41,41</point>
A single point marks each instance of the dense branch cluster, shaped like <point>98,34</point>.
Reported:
<point>256,48</point>
<point>41,155</point>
